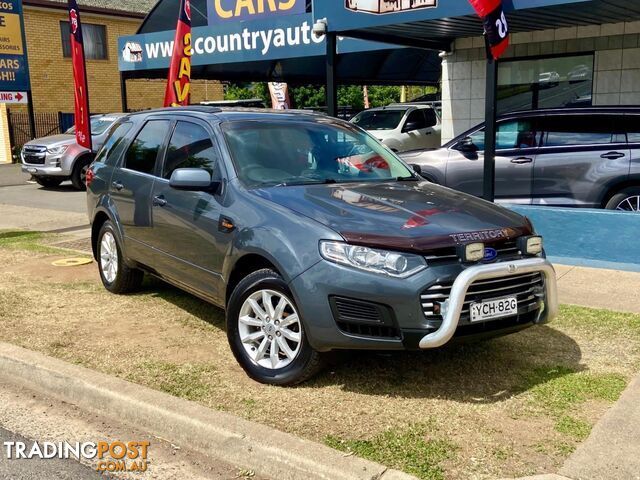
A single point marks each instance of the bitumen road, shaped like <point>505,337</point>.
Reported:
<point>40,469</point>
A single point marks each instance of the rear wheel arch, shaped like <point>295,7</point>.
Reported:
<point>99,220</point>
<point>617,188</point>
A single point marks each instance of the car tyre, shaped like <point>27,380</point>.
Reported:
<point>626,200</point>
<point>48,182</point>
<point>256,330</point>
<point>79,174</point>
<point>116,276</point>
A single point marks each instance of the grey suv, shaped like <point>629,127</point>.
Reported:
<point>586,157</point>
<point>310,234</point>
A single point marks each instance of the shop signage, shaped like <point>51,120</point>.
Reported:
<point>14,71</point>
<point>235,10</point>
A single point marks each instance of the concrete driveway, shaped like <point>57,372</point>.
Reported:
<point>29,206</point>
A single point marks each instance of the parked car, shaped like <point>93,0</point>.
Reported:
<point>549,79</point>
<point>310,234</point>
<point>402,127</point>
<point>56,158</point>
<point>582,157</point>
<point>580,73</point>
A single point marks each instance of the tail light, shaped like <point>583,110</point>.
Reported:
<point>90,176</point>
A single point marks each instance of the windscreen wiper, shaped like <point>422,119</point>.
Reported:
<point>411,178</point>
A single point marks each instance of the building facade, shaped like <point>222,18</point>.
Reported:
<point>47,36</point>
<point>564,67</point>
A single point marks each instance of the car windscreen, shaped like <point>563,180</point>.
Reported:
<point>306,152</point>
<point>379,119</point>
<point>99,125</point>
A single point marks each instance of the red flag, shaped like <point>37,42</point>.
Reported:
<point>179,84</point>
<point>279,96</point>
<point>83,120</point>
<point>495,24</point>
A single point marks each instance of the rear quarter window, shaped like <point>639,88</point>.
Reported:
<point>112,149</point>
<point>576,130</point>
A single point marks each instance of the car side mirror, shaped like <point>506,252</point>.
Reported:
<point>416,168</point>
<point>410,127</point>
<point>192,179</point>
<point>467,145</point>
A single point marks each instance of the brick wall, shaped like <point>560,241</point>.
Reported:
<point>616,78</point>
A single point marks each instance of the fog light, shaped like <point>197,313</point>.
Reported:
<point>530,245</point>
<point>472,252</point>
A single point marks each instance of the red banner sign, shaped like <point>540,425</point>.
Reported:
<point>83,119</point>
<point>496,27</point>
<point>179,84</point>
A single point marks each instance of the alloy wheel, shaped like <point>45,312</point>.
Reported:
<point>109,257</point>
<point>270,329</point>
<point>630,204</point>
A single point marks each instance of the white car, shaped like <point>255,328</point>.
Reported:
<point>402,127</point>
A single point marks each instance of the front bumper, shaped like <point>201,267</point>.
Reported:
<point>401,309</point>
<point>44,171</point>
<point>452,307</point>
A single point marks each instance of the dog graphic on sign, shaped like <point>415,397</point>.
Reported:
<point>388,6</point>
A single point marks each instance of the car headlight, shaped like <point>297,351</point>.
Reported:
<point>57,150</point>
<point>394,264</point>
<point>532,245</point>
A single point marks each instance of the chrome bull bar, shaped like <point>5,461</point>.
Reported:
<point>452,307</point>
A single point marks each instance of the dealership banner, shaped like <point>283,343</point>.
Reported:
<point>82,116</point>
<point>494,21</point>
<point>279,96</point>
<point>237,10</point>
<point>179,83</point>
<point>14,71</point>
<point>289,36</point>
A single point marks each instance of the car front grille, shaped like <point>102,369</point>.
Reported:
<point>506,251</point>
<point>367,319</point>
<point>523,286</point>
<point>34,155</point>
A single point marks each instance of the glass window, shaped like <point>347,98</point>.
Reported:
<point>379,119</point>
<point>418,120</point>
<point>632,127</point>
<point>143,152</point>
<point>190,147</point>
<point>288,153</point>
<point>514,134</point>
<point>565,130</point>
<point>113,147</point>
<point>432,118</point>
<point>94,37</point>
<point>98,125</point>
<point>561,81</point>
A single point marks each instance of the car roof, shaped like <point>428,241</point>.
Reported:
<point>573,111</point>
<point>224,114</point>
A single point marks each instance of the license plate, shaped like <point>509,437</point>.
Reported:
<point>490,309</point>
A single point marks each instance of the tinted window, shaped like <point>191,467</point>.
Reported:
<point>632,125</point>
<point>432,118</point>
<point>514,134</point>
<point>143,152</point>
<point>190,147</point>
<point>113,147</point>
<point>565,130</point>
<point>417,119</point>
<point>288,153</point>
<point>94,37</point>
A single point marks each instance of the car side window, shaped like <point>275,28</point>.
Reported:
<point>510,135</point>
<point>191,147</point>
<point>113,147</point>
<point>632,127</point>
<point>143,152</point>
<point>418,119</point>
<point>431,117</point>
<point>566,130</point>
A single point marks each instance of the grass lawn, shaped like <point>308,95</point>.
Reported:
<point>512,406</point>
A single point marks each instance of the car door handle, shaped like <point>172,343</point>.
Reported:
<point>521,160</point>
<point>159,201</point>
<point>117,185</point>
<point>612,155</point>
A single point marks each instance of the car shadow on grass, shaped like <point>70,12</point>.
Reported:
<point>474,372</point>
